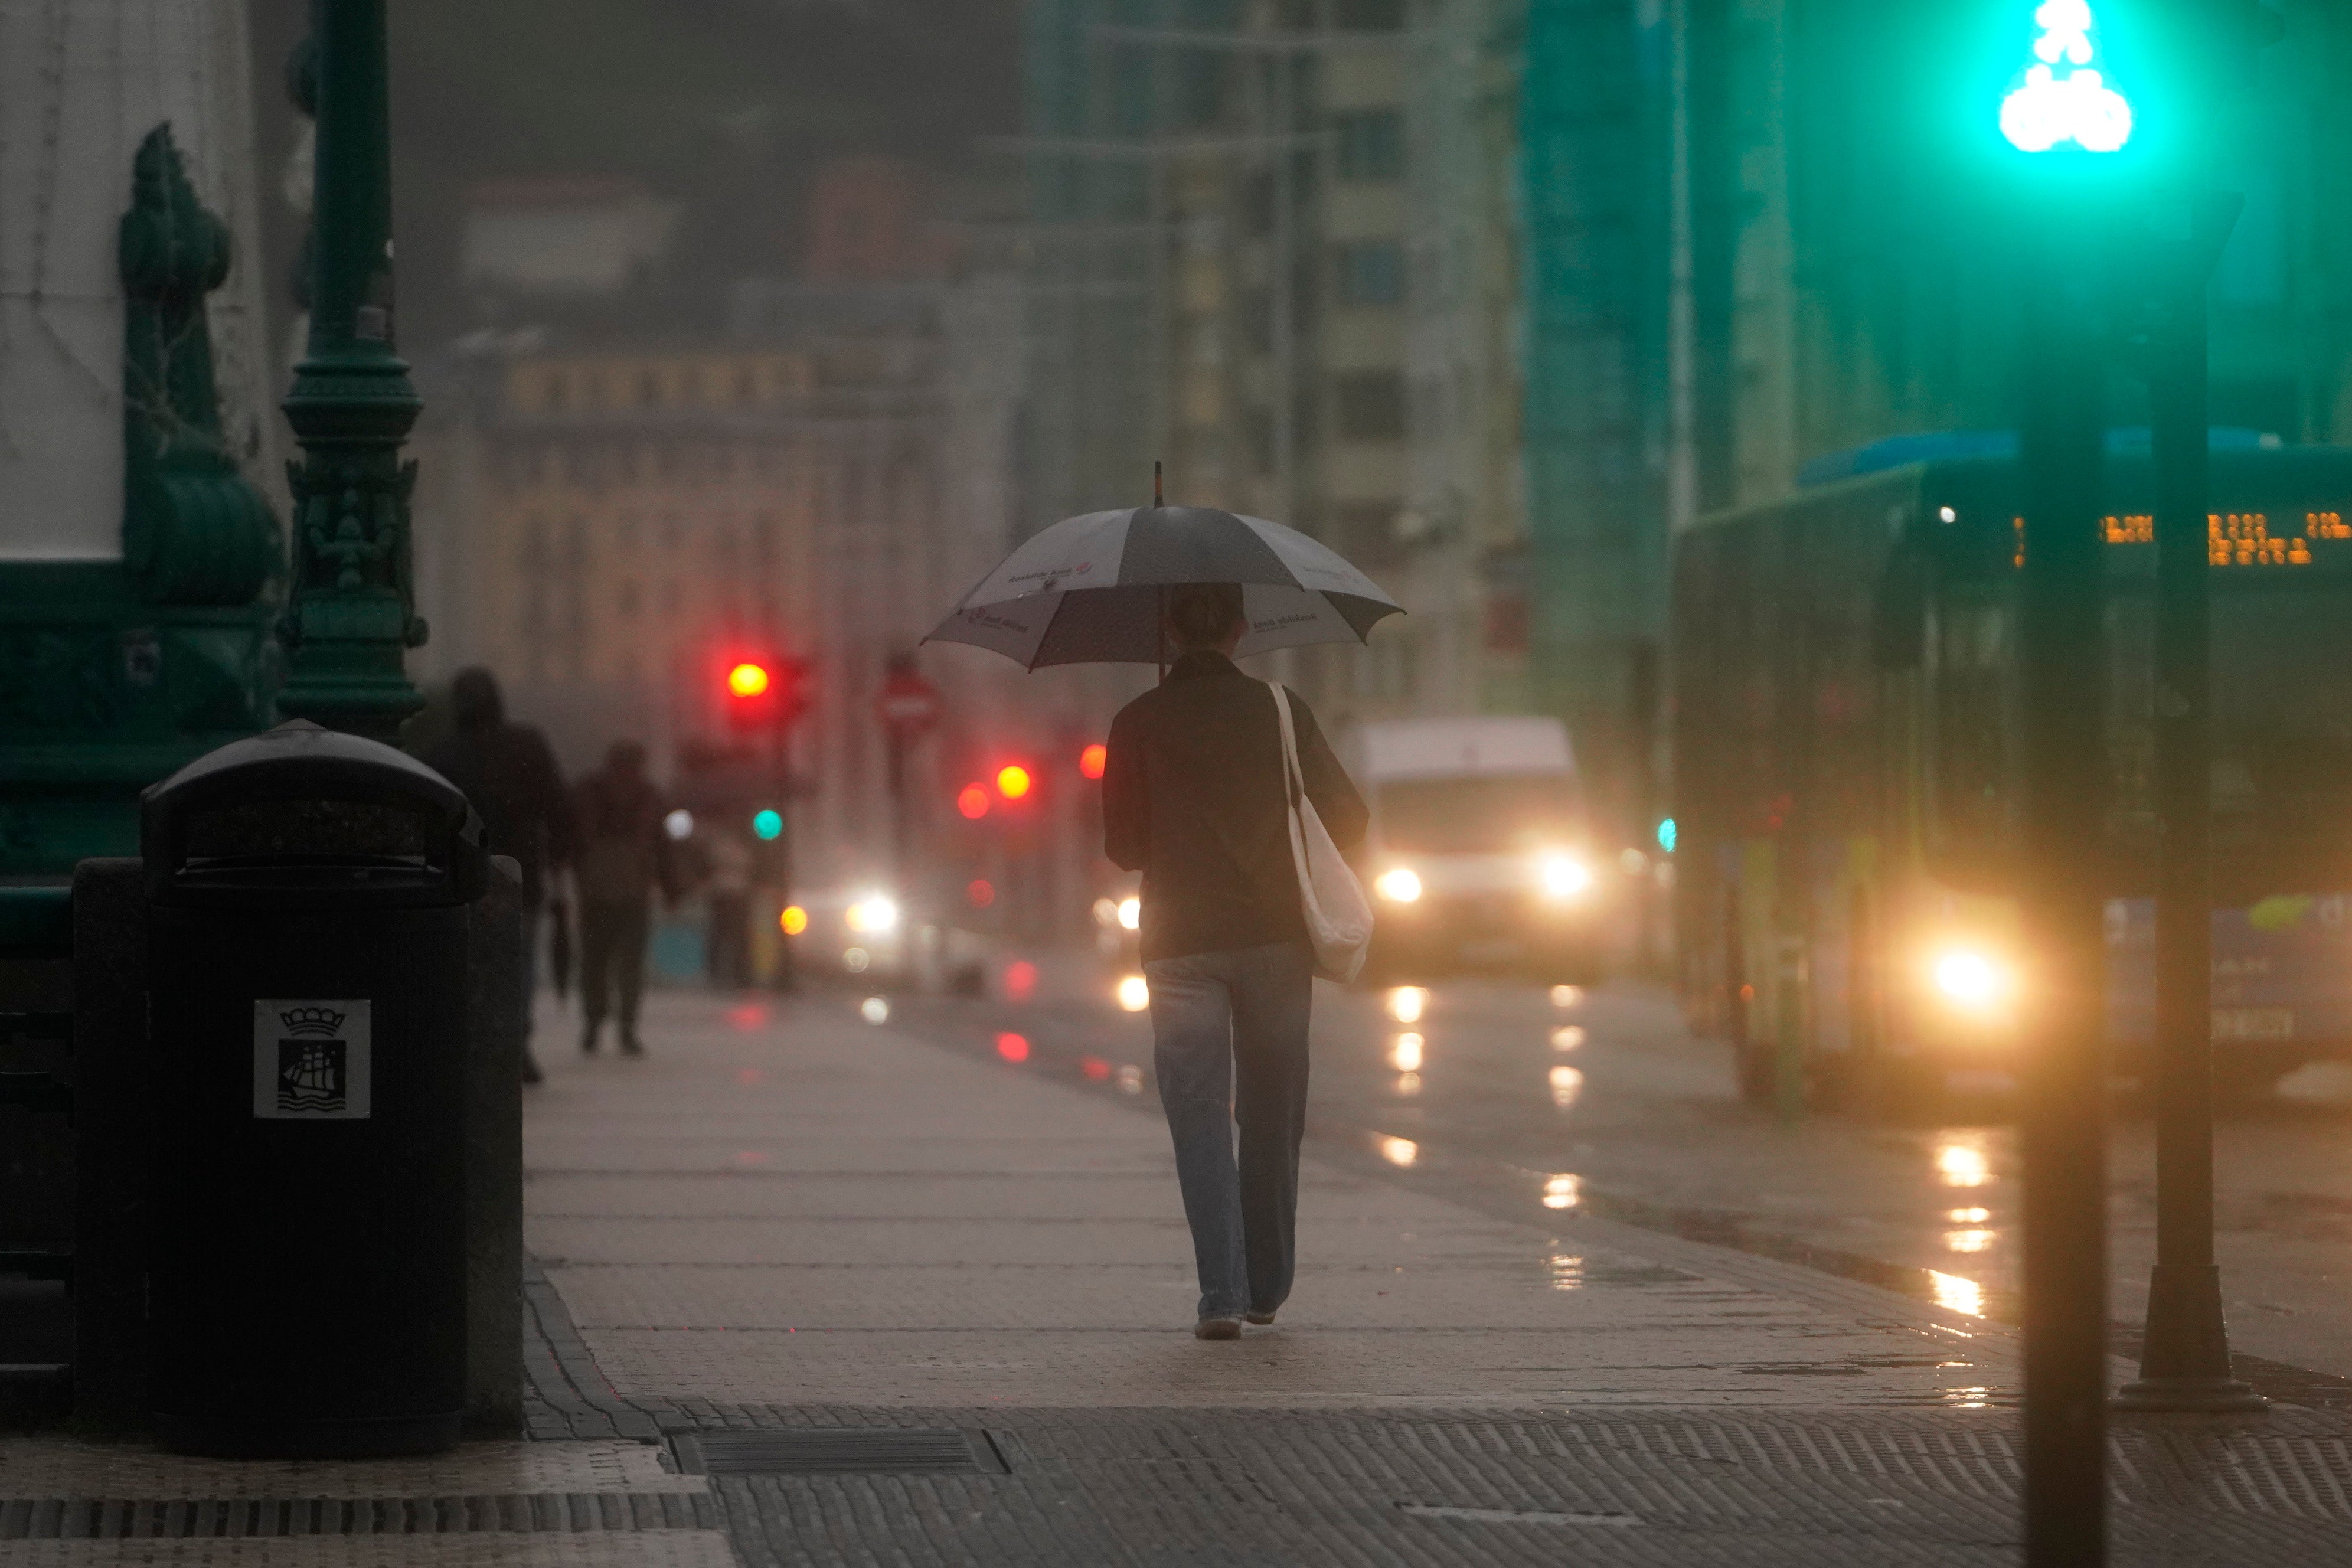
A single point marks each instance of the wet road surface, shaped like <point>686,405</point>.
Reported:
<point>1602,1098</point>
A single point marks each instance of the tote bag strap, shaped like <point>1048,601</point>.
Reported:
<point>1294,780</point>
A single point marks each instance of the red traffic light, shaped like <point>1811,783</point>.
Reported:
<point>1091,760</point>
<point>1012,781</point>
<point>763,690</point>
<point>973,801</point>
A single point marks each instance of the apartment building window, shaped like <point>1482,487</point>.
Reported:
<point>1371,272</point>
<point>1370,405</point>
<point>1371,143</point>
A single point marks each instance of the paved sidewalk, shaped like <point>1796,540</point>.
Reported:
<point>907,1300</point>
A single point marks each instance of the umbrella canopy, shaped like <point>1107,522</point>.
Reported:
<point>1089,589</point>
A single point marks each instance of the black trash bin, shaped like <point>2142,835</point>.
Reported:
<point>307,896</point>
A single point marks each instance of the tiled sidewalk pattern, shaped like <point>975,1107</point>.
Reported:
<point>785,1217</point>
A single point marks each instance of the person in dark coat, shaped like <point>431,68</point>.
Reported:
<point>623,856</point>
<point>1196,798</point>
<point>508,772</point>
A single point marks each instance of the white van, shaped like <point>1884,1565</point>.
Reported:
<point>1479,857</point>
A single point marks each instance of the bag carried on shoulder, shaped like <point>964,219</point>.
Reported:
<point>1339,915</point>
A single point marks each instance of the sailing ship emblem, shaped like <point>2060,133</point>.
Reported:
<point>312,1061</point>
<point>314,1064</point>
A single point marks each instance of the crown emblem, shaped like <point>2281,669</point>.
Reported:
<point>311,1021</point>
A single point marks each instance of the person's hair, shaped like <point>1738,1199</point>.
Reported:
<point>1203,614</point>
<point>473,700</point>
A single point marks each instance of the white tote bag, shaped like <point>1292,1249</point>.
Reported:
<point>1339,915</point>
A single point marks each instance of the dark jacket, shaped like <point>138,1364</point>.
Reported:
<point>1193,797</point>
<point>623,854</point>
<point>509,773</point>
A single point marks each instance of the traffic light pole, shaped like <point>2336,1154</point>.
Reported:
<point>2185,1357</point>
<point>2063,1113</point>
<point>787,971</point>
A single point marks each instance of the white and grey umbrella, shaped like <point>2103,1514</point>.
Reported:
<point>1090,589</point>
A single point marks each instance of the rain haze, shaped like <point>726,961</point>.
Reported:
<point>1307,781</point>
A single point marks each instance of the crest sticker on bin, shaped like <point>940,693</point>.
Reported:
<point>310,1061</point>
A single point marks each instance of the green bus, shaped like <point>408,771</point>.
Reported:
<point>1845,690</point>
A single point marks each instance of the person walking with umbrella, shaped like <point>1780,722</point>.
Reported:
<point>1210,779</point>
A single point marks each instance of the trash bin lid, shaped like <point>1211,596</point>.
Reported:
<point>300,810</point>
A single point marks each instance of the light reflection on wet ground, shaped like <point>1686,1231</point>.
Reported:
<point>1652,1115</point>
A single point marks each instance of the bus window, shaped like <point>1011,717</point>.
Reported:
<point>2282,741</point>
<point>1970,679</point>
<point>1897,610</point>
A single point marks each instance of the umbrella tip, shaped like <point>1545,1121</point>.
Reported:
<point>1156,499</point>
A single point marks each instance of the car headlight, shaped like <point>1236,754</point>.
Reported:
<point>1562,875</point>
<point>873,915</point>
<point>1398,885</point>
<point>1971,980</point>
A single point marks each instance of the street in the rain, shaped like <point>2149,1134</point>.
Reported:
<point>1338,783</point>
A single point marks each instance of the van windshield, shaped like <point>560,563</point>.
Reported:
<point>1489,814</point>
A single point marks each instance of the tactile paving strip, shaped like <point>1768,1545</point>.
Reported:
<point>56,1467</point>
<point>649,1549</point>
<point>1317,1488</point>
<point>54,1519</point>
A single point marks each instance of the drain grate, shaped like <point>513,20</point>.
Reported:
<point>840,1451</point>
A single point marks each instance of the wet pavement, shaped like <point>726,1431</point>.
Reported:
<point>859,1279</point>
<point>907,1278</point>
<point>1608,1088</point>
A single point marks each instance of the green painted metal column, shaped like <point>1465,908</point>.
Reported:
<point>350,613</point>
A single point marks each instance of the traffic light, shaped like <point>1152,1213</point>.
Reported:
<point>1091,761</point>
<point>1014,781</point>
<point>2063,98</point>
<point>763,692</point>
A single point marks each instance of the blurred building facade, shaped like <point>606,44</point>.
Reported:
<point>1494,296</point>
<point>615,521</point>
<point>1386,270</point>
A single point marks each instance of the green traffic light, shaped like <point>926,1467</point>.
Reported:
<point>768,824</point>
<point>2048,110</point>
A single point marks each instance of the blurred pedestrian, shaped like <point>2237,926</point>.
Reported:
<point>1196,798</point>
<point>508,772</point>
<point>726,855</point>
<point>623,856</point>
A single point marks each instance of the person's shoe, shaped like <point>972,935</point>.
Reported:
<point>630,1044</point>
<point>588,1036</point>
<point>1217,1329</point>
<point>1260,1318</point>
<point>531,1073</point>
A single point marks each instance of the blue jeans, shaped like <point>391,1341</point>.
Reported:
<point>1230,1033</point>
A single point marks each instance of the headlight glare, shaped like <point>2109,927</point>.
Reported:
<point>1972,980</point>
<point>873,915</point>
<point>1562,875</point>
<point>1398,885</point>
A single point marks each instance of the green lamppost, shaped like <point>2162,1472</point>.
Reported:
<point>349,611</point>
